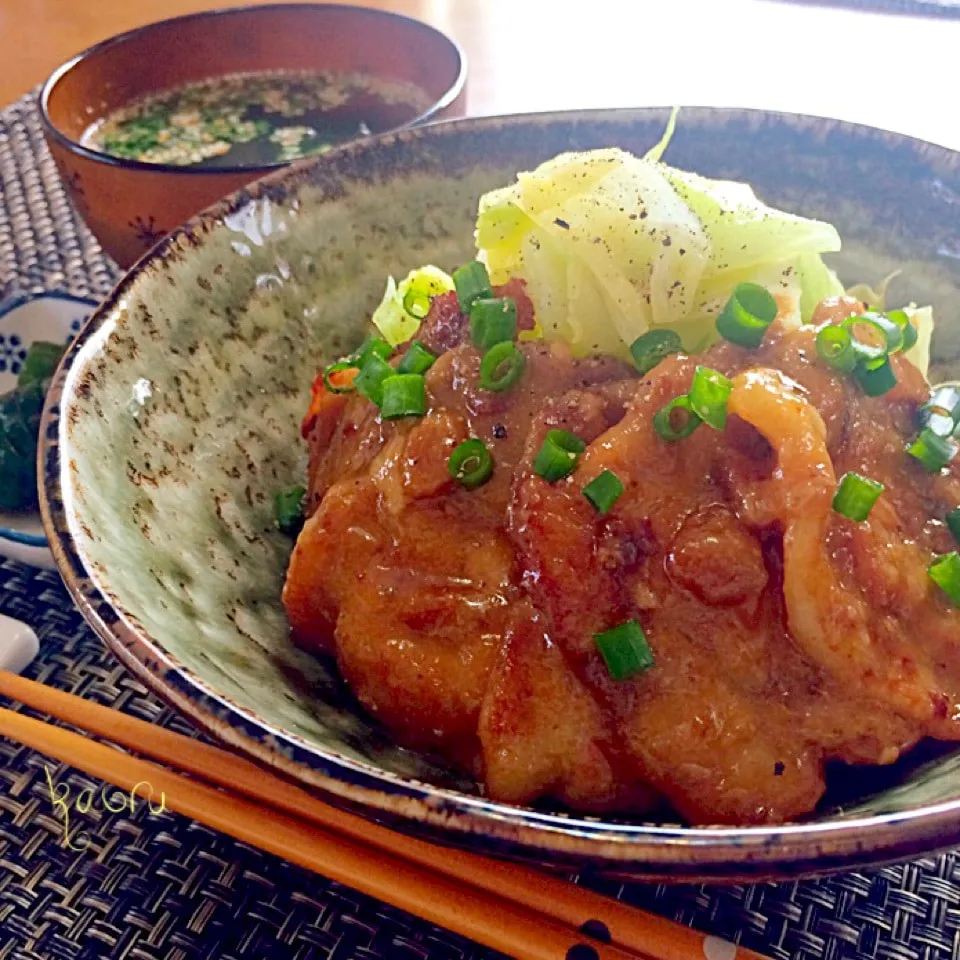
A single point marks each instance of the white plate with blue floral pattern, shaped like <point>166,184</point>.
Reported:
<point>55,318</point>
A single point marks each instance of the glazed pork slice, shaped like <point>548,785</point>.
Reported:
<point>783,634</point>
<point>407,577</point>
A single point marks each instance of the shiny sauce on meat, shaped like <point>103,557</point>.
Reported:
<point>784,635</point>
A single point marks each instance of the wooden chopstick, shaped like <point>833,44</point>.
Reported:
<point>491,920</point>
<point>563,902</point>
<point>556,898</point>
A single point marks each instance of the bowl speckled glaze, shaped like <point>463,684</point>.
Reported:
<point>176,415</point>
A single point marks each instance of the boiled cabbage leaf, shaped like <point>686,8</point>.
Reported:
<point>611,245</point>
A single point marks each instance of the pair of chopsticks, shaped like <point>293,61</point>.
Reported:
<point>514,909</point>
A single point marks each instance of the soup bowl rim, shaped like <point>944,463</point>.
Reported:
<point>256,170</point>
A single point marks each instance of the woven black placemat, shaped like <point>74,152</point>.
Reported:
<point>149,886</point>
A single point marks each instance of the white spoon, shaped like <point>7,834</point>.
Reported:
<point>18,645</point>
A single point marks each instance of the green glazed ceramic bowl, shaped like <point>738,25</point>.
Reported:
<point>176,415</point>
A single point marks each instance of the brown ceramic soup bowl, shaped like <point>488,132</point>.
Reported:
<point>130,205</point>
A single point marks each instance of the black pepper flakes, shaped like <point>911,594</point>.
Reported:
<point>667,241</point>
<point>499,431</point>
<point>561,223</point>
<point>778,768</point>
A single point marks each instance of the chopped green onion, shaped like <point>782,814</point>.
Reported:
<point>862,345</point>
<point>932,450</point>
<point>676,420</point>
<point>372,346</point>
<point>338,367</point>
<point>416,303</point>
<point>892,330</point>
<point>939,423</point>
<point>907,328</point>
<point>835,345</point>
<point>422,286</point>
<point>945,573</point>
<point>369,381</point>
<point>876,377</point>
<point>747,314</point>
<point>953,523</point>
<point>708,395</point>
<point>501,367</point>
<point>947,399</point>
<point>942,411</point>
<point>470,463</point>
<point>288,507</point>
<point>625,650</point>
<point>647,351</point>
<point>404,395</point>
<point>856,496</point>
<point>604,491</point>
<point>874,336</point>
<point>417,359</point>
<point>472,283</point>
<point>492,321</point>
<point>558,455</point>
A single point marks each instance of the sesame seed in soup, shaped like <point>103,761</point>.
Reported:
<point>254,119</point>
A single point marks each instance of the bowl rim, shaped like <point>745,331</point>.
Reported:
<point>670,852</point>
<point>76,147</point>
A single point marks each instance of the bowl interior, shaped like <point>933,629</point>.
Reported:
<point>197,370</point>
<point>295,37</point>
